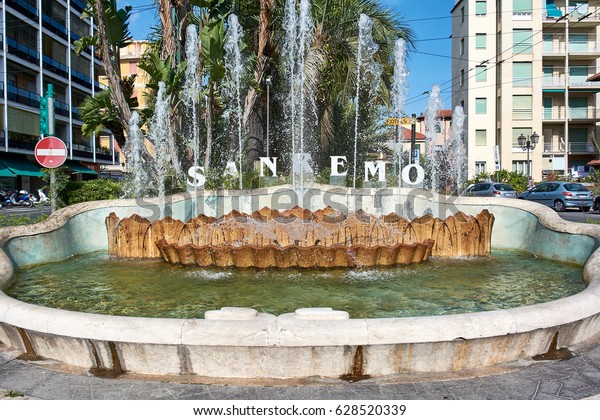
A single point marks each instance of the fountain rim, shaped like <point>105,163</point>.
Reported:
<point>339,332</point>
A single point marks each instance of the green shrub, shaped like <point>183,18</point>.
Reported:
<point>98,189</point>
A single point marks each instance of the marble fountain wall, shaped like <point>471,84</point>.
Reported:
<point>241,343</point>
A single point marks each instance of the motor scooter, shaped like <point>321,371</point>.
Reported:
<point>21,198</point>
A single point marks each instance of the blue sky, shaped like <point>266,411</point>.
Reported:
<point>430,64</point>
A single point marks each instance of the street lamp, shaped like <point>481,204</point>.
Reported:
<point>528,143</point>
<point>268,83</point>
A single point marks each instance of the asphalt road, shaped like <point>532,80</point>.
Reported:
<point>580,216</point>
<point>31,212</point>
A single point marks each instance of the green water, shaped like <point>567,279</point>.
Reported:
<point>100,284</point>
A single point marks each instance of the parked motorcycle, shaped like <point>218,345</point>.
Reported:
<point>21,198</point>
<point>42,198</point>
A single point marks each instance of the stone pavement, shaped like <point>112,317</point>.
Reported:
<point>576,378</point>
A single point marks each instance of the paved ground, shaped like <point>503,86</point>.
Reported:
<point>576,378</point>
<point>581,217</point>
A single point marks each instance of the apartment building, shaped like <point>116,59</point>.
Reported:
<point>37,49</point>
<point>527,68</point>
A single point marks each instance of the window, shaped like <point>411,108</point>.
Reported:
<point>522,107</point>
<point>462,14</point>
<point>480,8</point>
<point>522,41</point>
<point>516,132</point>
<point>578,42</point>
<point>462,46</point>
<point>480,41</point>
<point>519,166</point>
<point>462,77</point>
<point>480,168</point>
<point>480,74</point>
<point>522,7</point>
<point>480,137</point>
<point>522,74</point>
<point>480,105</point>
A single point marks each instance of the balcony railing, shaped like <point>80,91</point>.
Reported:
<point>554,146</point>
<point>99,86</point>
<point>581,11</point>
<point>2,89</point>
<point>55,67</point>
<point>554,113</point>
<point>61,108</point>
<point>78,5</point>
<point>24,7</point>
<point>22,51</point>
<point>584,113</point>
<point>75,113</point>
<point>54,26</point>
<point>23,96</point>
<point>581,147</point>
<point>554,81</point>
<point>81,78</point>
<point>555,47</point>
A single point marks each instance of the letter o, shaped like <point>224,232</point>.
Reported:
<point>406,174</point>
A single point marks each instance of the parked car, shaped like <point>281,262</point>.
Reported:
<point>490,189</point>
<point>560,195</point>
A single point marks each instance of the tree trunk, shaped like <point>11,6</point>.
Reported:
<point>113,73</point>
<point>209,127</point>
<point>252,119</point>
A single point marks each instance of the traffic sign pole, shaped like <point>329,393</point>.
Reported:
<point>51,152</point>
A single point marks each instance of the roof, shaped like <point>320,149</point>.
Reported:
<point>595,162</point>
<point>406,134</point>
<point>594,78</point>
<point>445,114</point>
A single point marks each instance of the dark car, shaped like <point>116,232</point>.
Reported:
<point>560,195</point>
<point>490,189</point>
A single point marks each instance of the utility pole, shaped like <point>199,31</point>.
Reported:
<point>413,137</point>
<point>47,128</point>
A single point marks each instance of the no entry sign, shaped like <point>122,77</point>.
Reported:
<point>50,152</point>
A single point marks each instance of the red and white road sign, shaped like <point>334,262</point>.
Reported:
<point>50,152</point>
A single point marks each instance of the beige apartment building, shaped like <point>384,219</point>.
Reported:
<point>527,68</point>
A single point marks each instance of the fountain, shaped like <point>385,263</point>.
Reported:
<point>337,228</point>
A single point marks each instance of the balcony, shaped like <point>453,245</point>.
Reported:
<point>554,81</point>
<point>75,113</point>
<point>575,147</point>
<point>98,87</point>
<point>55,67</point>
<point>81,78</point>
<point>555,46</point>
<point>61,108</point>
<point>54,26</point>
<point>579,12</point>
<point>78,5</point>
<point>23,96</point>
<point>584,113</point>
<point>1,89</point>
<point>554,113</point>
<point>555,145</point>
<point>22,51</point>
<point>24,7</point>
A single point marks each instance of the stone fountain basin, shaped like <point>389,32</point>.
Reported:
<point>241,343</point>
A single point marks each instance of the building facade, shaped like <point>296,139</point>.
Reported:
<point>525,67</point>
<point>37,49</point>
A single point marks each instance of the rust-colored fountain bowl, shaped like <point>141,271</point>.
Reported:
<point>299,238</point>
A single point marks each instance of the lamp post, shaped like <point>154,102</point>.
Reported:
<point>528,143</point>
<point>268,83</point>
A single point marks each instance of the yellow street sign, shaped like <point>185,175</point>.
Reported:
<point>399,121</point>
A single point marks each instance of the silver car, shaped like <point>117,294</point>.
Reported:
<point>560,195</point>
<point>490,189</point>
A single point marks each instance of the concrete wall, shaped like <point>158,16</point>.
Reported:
<point>243,343</point>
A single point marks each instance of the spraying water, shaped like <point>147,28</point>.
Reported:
<point>135,151</point>
<point>191,95</point>
<point>160,135</point>
<point>233,62</point>
<point>372,70</point>
<point>399,93</point>
<point>456,150</point>
<point>299,28</point>
<point>432,122</point>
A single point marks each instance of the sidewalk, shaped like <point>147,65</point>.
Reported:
<point>576,378</point>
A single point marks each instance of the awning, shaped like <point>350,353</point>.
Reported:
<point>20,166</point>
<point>78,167</point>
<point>4,171</point>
